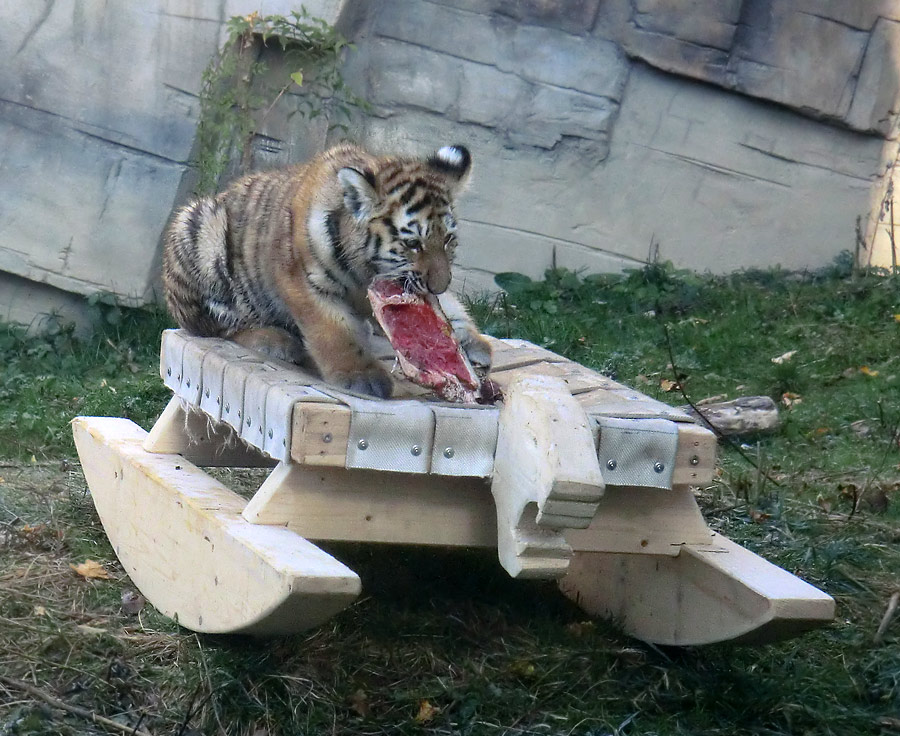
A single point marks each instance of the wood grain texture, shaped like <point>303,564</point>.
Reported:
<point>181,538</point>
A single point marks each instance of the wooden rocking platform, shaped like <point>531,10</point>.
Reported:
<point>573,477</point>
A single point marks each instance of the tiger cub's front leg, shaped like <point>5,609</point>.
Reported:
<point>476,347</point>
<point>336,341</point>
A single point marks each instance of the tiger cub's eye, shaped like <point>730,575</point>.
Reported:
<point>413,245</point>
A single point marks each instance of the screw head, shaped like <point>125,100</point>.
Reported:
<point>659,467</point>
<point>207,393</point>
<point>168,371</point>
<point>695,460</point>
<point>449,452</point>
<point>611,464</point>
<point>189,383</point>
<point>326,438</point>
<point>227,408</point>
<point>271,434</point>
<point>362,444</point>
<point>416,450</point>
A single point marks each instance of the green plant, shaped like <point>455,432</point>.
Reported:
<point>237,93</point>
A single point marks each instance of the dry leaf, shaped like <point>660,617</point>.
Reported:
<point>824,504</point>
<point>91,569</point>
<point>39,611</point>
<point>580,628</point>
<point>85,629</point>
<point>897,318</point>
<point>866,371</point>
<point>132,602</point>
<point>758,517</point>
<point>784,357</point>
<point>426,712</point>
<point>668,385</point>
<point>359,702</point>
<point>790,399</point>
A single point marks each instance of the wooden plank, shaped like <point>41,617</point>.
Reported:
<point>375,506</point>
<point>546,476</point>
<point>181,538</point>
<point>704,595</point>
<point>510,354</point>
<point>319,434</point>
<point>577,378</point>
<point>695,458</point>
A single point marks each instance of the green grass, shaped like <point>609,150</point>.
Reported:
<point>448,628</point>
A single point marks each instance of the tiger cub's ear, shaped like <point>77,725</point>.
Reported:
<point>455,163</point>
<point>360,196</point>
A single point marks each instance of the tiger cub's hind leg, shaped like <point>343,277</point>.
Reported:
<point>274,343</point>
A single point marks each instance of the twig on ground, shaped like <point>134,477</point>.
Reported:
<point>893,604</point>
<point>715,430</point>
<point>73,709</point>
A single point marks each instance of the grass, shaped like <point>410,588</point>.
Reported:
<point>443,642</point>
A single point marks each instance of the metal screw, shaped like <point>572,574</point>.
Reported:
<point>448,452</point>
<point>695,460</point>
<point>416,450</point>
<point>207,393</point>
<point>227,408</point>
<point>168,371</point>
<point>362,444</point>
<point>189,383</point>
<point>326,438</point>
<point>611,464</point>
<point>659,467</point>
<point>271,434</point>
<point>249,421</point>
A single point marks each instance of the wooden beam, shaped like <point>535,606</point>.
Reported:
<point>181,538</point>
<point>546,476</point>
<point>374,506</point>
<point>704,595</point>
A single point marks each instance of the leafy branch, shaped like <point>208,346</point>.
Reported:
<point>238,92</point>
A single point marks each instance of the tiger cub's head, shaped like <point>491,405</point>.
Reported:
<point>406,206</point>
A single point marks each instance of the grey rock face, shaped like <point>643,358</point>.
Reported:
<point>733,132</point>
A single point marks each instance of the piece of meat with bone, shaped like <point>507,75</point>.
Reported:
<point>427,350</point>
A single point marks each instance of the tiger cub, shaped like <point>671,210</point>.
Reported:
<point>280,261</point>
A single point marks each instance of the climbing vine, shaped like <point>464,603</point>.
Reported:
<point>238,92</point>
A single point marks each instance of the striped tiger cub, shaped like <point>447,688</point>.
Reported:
<point>281,260</point>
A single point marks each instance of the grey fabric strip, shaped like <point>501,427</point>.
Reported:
<point>638,452</point>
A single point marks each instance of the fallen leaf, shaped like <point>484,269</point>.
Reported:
<point>784,357</point>
<point>790,399</point>
<point>85,629</point>
<point>39,611</point>
<point>668,385</point>
<point>580,628</point>
<point>359,702</point>
<point>897,318</point>
<point>523,668</point>
<point>426,712</point>
<point>91,569</point>
<point>758,517</point>
<point>866,371</point>
<point>132,602</point>
<point>824,504</point>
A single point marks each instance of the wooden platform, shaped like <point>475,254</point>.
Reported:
<point>574,477</point>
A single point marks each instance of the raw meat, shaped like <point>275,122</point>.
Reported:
<point>428,352</point>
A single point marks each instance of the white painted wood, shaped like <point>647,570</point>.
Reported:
<point>181,538</point>
<point>374,506</point>
<point>546,476</point>
<point>704,595</point>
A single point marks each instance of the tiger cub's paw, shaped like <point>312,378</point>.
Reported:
<point>478,350</point>
<point>373,380</point>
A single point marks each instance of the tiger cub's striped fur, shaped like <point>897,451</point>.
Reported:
<point>281,260</point>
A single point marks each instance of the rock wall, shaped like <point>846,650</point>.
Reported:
<point>735,133</point>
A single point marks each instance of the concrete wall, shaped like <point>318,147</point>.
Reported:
<point>736,133</point>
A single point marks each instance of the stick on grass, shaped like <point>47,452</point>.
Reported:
<point>73,709</point>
